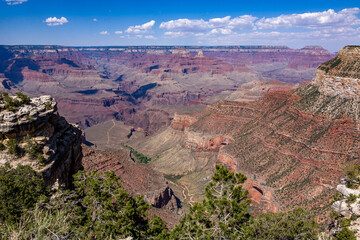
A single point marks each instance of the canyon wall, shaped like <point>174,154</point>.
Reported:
<point>287,143</point>
<point>46,141</point>
<point>136,83</point>
<point>340,76</point>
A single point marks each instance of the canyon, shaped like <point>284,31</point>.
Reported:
<point>292,144</point>
<point>137,85</point>
<point>258,110</point>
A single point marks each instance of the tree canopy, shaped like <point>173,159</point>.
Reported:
<point>224,212</point>
<point>99,208</point>
<point>20,189</point>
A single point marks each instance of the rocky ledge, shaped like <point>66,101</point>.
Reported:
<point>32,133</point>
<point>346,206</point>
<point>341,75</point>
<point>26,118</point>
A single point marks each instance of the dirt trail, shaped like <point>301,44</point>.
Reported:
<point>108,131</point>
<point>191,202</point>
<point>185,192</point>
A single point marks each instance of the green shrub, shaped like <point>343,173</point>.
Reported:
<point>223,213</point>
<point>13,147</point>
<point>32,148</point>
<point>335,215</point>
<point>354,217</point>
<point>41,159</point>
<point>139,156</point>
<point>337,196</point>
<point>20,189</point>
<point>11,104</point>
<point>298,224</point>
<point>353,172</point>
<point>39,224</point>
<point>2,146</point>
<point>345,222</point>
<point>48,105</point>
<point>98,208</point>
<point>352,185</point>
<point>3,95</point>
<point>24,99</point>
<point>345,234</point>
<point>29,118</point>
<point>351,199</point>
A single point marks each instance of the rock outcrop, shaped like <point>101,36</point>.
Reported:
<point>34,134</point>
<point>137,179</point>
<point>341,75</point>
<point>346,205</point>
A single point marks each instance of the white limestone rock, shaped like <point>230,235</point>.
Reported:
<point>347,191</point>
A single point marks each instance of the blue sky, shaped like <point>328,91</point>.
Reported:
<point>331,24</point>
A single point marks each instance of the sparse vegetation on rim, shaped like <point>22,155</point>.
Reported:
<point>11,103</point>
<point>99,207</point>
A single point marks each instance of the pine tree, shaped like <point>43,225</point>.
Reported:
<point>224,212</point>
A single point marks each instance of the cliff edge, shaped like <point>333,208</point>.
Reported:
<point>32,133</point>
<point>341,75</point>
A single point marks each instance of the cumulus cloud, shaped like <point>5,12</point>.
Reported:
<point>223,25</point>
<point>245,22</point>
<point>219,22</point>
<point>141,29</point>
<point>118,32</point>
<point>185,25</point>
<point>312,28</point>
<point>104,33</point>
<point>312,20</point>
<point>15,2</point>
<point>54,21</point>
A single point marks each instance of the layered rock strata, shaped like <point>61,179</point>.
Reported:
<point>341,75</point>
<point>45,141</point>
<point>137,179</point>
<point>292,145</point>
<point>136,83</point>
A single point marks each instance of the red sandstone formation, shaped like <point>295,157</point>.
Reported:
<point>93,85</point>
<point>292,145</point>
<point>136,178</point>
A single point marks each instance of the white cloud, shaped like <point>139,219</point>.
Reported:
<point>223,31</point>
<point>219,22</point>
<point>313,28</point>
<point>324,37</point>
<point>245,22</point>
<point>104,33</point>
<point>140,29</point>
<point>118,32</point>
<point>54,21</point>
<point>215,25</point>
<point>15,2</point>
<point>178,34</point>
<point>185,25</point>
<point>312,20</point>
<point>149,37</point>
